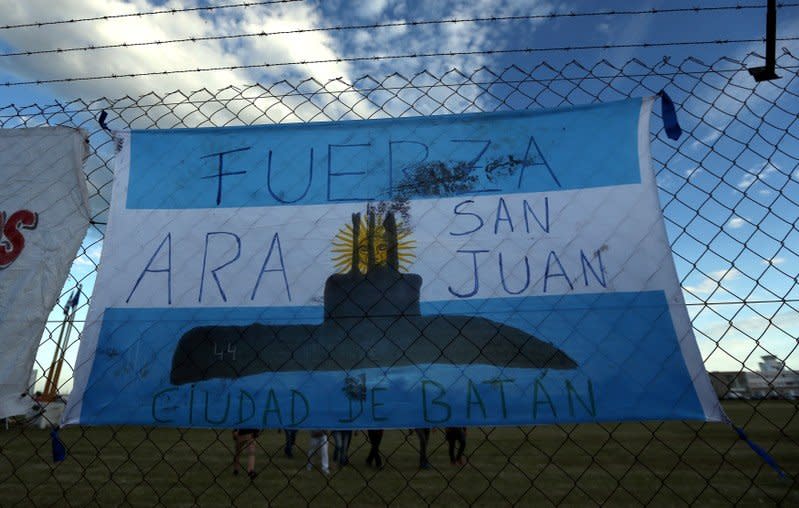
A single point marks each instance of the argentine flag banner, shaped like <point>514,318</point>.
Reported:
<point>478,269</point>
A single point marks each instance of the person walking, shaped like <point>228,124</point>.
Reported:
<point>456,435</point>
<point>375,438</point>
<point>291,438</point>
<point>341,446</point>
<point>424,438</point>
<point>318,445</point>
<point>245,438</point>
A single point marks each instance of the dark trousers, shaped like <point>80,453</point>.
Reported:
<point>375,438</point>
<point>456,436</point>
<point>341,440</point>
<point>424,438</point>
<point>291,437</point>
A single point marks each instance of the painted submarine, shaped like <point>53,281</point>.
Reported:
<point>371,320</point>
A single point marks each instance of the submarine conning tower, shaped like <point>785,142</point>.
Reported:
<point>380,292</point>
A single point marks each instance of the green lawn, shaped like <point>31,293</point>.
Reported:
<point>670,463</point>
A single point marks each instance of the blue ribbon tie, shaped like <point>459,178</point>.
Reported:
<point>59,450</point>
<point>768,459</point>
<point>669,115</point>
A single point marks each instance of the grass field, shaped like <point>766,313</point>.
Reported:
<point>672,463</point>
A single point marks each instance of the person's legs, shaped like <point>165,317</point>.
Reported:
<point>291,436</point>
<point>451,443</point>
<point>336,445</point>
<point>376,444</point>
<point>461,446</point>
<point>371,457</point>
<point>344,452</point>
<point>323,454</point>
<point>375,436</point>
<point>313,445</point>
<point>424,436</point>
<point>251,460</point>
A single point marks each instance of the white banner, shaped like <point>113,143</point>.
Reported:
<point>44,214</point>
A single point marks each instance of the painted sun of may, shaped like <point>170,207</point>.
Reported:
<point>344,242</point>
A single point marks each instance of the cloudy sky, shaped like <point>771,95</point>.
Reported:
<point>329,45</point>
<point>709,277</point>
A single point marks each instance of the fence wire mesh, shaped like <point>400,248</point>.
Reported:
<point>729,190</point>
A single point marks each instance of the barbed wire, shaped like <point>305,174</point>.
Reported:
<point>207,8</point>
<point>550,15</point>
<point>373,26</point>
<point>377,58</point>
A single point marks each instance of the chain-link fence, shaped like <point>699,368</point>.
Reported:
<point>729,190</point>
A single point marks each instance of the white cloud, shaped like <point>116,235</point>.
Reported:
<point>746,181</point>
<point>368,8</point>
<point>711,283</point>
<point>269,103</point>
<point>272,49</point>
<point>84,262</point>
<point>91,257</point>
<point>749,178</point>
<point>437,38</point>
<point>736,222</point>
<point>743,340</point>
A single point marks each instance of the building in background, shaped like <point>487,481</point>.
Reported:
<point>774,381</point>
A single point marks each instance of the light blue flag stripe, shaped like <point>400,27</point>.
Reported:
<point>306,164</point>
